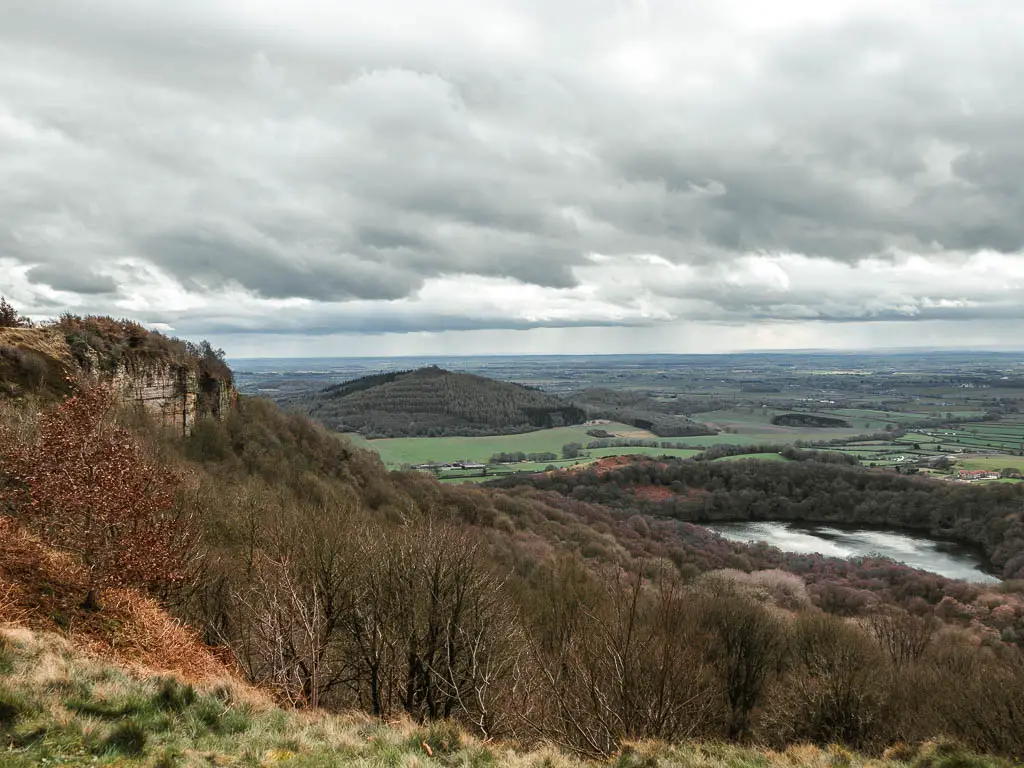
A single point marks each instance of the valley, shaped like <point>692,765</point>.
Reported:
<point>936,413</point>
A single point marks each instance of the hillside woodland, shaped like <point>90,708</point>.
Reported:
<point>486,622</point>
<point>432,402</point>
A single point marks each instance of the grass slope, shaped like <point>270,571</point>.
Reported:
<point>59,707</point>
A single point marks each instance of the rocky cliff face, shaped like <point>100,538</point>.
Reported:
<point>174,391</point>
<point>174,394</point>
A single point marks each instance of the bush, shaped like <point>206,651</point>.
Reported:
<point>836,689</point>
<point>443,737</point>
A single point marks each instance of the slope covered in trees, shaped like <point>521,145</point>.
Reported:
<point>432,402</point>
<point>523,614</point>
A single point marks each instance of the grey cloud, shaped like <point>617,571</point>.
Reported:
<point>209,259</point>
<point>71,278</point>
<point>354,161</point>
<point>327,323</point>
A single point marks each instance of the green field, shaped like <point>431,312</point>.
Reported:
<point>682,453</point>
<point>745,425</point>
<point>421,450</point>
<point>757,456</point>
<point>751,425</point>
<point>992,462</point>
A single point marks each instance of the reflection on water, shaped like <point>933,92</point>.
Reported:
<point>938,557</point>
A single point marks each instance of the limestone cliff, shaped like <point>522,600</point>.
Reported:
<point>158,374</point>
<point>173,393</point>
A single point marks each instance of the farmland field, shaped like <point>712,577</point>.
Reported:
<point>992,462</point>
<point>421,450</point>
<point>895,399</point>
<point>396,452</point>
<point>758,456</point>
<point>752,424</point>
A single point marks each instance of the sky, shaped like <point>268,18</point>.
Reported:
<point>398,177</point>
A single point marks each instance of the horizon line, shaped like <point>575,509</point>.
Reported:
<point>796,351</point>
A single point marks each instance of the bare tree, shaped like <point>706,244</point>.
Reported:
<point>745,643</point>
<point>902,636</point>
<point>625,667</point>
<point>295,597</point>
<point>836,687</point>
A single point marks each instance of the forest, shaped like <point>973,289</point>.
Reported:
<point>432,402</point>
<point>578,609</point>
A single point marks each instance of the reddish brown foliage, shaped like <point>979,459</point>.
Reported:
<point>41,588</point>
<point>607,464</point>
<point>652,492</point>
<point>86,485</point>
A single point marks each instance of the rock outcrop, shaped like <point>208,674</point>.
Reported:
<point>174,389</point>
<point>174,394</point>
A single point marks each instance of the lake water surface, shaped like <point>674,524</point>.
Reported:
<point>944,558</point>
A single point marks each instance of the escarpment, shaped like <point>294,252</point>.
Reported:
<point>174,381</point>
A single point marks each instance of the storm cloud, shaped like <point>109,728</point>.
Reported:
<point>310,168</point>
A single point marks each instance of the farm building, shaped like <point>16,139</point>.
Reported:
<point>977,474</point>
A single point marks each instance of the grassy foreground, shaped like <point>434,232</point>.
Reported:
<point>59,707</point>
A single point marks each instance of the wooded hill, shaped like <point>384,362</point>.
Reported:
<point>433,402</point>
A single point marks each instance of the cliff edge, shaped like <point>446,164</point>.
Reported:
<point>174,380</point>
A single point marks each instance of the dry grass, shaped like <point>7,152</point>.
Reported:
<point>47,342</point>
<point>150,639</point>
<point>43,589</point>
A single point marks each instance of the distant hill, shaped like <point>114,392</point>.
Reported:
<point>433,402</point>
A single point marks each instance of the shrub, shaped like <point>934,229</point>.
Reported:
<point>89,486</point>
<point>836,688</point>
<point>9,317</point>
<point>443,737</point>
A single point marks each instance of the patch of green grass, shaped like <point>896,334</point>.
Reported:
<point>682,453</point>
<point>13,706</point>
<point>128,738</point>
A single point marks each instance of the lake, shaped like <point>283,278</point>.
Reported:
<point>942,557</point>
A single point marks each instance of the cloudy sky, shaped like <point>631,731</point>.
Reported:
<point>293,177</point>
